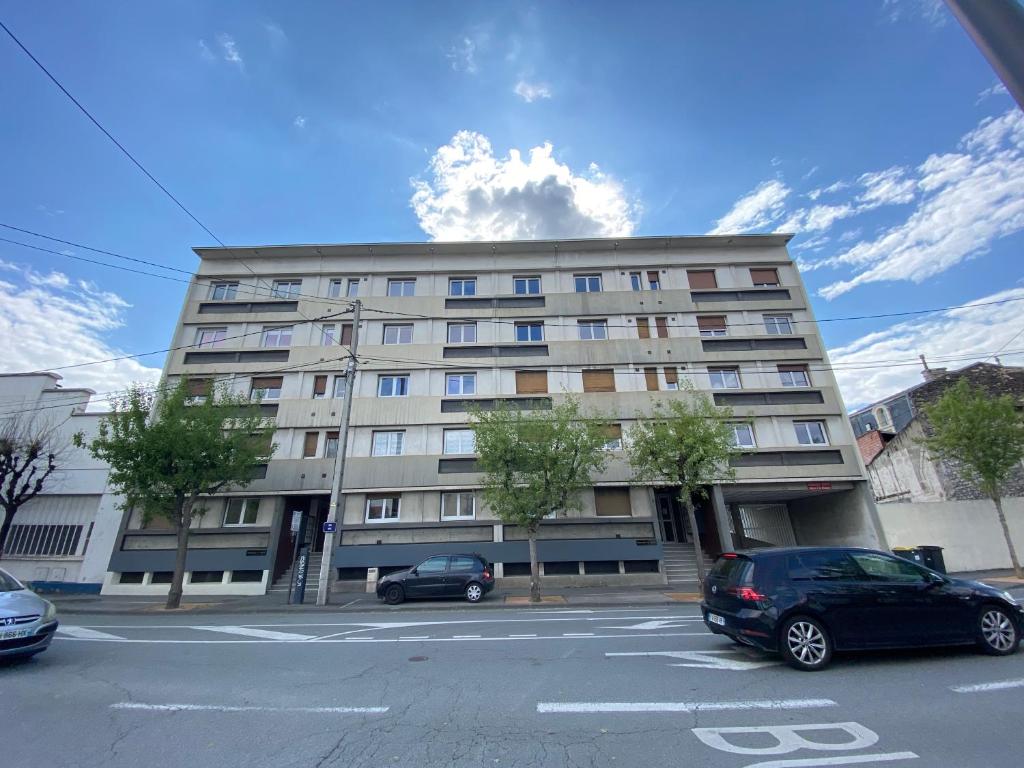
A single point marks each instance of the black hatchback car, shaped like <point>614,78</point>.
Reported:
<point>468,576</point>
<point>806,602</point>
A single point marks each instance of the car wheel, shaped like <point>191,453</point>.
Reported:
<point>394,594</point>
<point>997,632</point>
<point>805,644</point>
<point>474,592</point>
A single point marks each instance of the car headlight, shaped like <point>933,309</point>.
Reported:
<point>1009,598</point>
<point>51,611</point>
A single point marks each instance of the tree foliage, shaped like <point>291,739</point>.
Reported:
<point>30,455</point>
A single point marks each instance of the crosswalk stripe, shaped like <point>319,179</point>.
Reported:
<point>265,634</point>
<point>86,634</point>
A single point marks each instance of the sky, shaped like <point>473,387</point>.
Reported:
<point>874,131</point>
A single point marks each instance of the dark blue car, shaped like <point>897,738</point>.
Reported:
<point>806,602</point>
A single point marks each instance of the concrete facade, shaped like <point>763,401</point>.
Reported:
<point>619,322</point>
<point>61,539</point>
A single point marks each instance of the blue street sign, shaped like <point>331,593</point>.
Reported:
<point>330,527</point>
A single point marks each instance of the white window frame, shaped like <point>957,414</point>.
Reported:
<point>219,335</point>
<point>276,333</point>
<point>242,513</point>
<point>458,496</point>
<point>778,324</point>
<point>462,282</point>
<point>339,381</point>
<point>328,335</point>
<point>405,286</point>
<point>392,502</point>
<point>286,289</point>
<point>636,281</point>
<point>328,443</point>
<point>460,433</point>
<point>224,291</point>
<point>786,377</point>
<point>335,288</point>
<point>588,279</point>
<point>591,325</point>
<point>526,280</point>
<point>803,428</point>
<point>728,378</point>
<point>401,333</point>
<point>394,377</point>
<point>461,378</point>
<point>388,443</point>
<point>749,428</point>
<point>615,444</point>
<point>462,329</point>
<point>265,393</point>
<point>529,325</point>
<point>352,287</point>
<point>656,285</point>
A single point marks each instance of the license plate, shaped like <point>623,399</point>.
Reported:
<point>715,619</point>
<point>13,634</point>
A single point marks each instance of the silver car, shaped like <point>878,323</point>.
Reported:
<point>27,621</point>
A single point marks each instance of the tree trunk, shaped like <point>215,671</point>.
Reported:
<point>534,568</point>
<point>5,529</point>
<point>184,518</point>
<point>697,548</point>
<point>1006,534</point>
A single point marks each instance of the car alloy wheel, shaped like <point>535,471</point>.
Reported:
<point>394,595</point>
<point>998,631</point>
<point>474,592</point>
<point>806,643</point>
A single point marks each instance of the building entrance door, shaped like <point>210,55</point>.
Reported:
<point>670,515</point>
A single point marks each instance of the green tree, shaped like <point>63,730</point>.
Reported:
<point>165,453</point>
<point>982,437</point>
<point>686,444</point>
<point>537,463</point>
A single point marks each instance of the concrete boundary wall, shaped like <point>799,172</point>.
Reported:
<point>968,531</point>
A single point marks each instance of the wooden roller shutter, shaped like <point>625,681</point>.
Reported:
<point>309,444</point>
<point>651,376</point>
<point>643,328</point>
<point>199,387</point>
<point>531,382</point>
<point>599,380</point>
<point>653,278</point>
<point>346,334</point>
<point>319,386</point>
<point>662,325</point>
<point>764,276</point>
<point>267,382</point>
<point>711,323</point>
<point>701,278</point>
<point>671,376</point>
<point>612,502</point>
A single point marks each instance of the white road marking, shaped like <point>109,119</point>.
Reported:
<point>416,637</point>
<point>705,659</point>
<point>424,638</point>
<point>517,637</point>
<point>467,637</point>
<point>660,623</point>
<point>578,634</point>
<point>998,685</point>
<point>83,633</point>
<point>788,739</point>
<point>264,634</point>
<point>218,708</point>
<point>592,707</point>
<point>882,757</point>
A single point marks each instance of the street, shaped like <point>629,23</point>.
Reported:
<point>475,687</point>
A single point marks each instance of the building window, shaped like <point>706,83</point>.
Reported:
<point>742,436</point>
<point>47,540</point>
<point>241,512</point>
<point>587,283</point>
<point>810,432</point>
<point>224,291</point>
<point>207,338</point>
<point>724,378</point>
<point>266,387</point>
<point>331,445</point>
<point>461,333</point>
<point>882,417</point>
<point>402,287</point>
<point>398,333</point>
<point>281,336</point>
<point>651,379</point>
<point>531,382</point>
<point>599,380</point>
<point>636,281</point>
<point>613,437</point>
<point>458,505</point>
<point>643,328</point>
<point>661,323</point>
<point>353,287</point>
<point>460,384</point>
<point>319,387</point>
<point>794,376</point>
<point>286,289</point>
<point>712,325</point>
<point>382,509</point>
<point>335,288</point>
<point>777,325</point>
<point>701,278</point>
<point>612,502</point>
<point>671,379</point>
<point>388,443</point>
<point>654,280</point>
<point>462,286</point>
<point>339,387</point>
<point>198,389</point>
<point>764,277</point>
<point>593,330</point>
<point>533,331</point>
<point>309,445</point>
<point>328,335</point>
<point>459,441</point>
<point>390,385</point>
<point>526,285</point>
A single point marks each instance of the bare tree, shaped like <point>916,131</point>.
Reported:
<point>30,455</point>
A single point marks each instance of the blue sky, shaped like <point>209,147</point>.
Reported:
<point>875,131</point>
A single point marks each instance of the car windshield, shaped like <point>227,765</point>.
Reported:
<point>8,583</point>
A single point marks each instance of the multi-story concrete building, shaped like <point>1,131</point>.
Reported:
<point>621,323</point>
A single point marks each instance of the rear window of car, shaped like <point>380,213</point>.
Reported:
<point>463,564</point>
<point>733,571</point>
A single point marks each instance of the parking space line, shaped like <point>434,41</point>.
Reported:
<point>86,634</point>
<point>577,634</point>
<point>416,637</point>
<point>467,637</point>
<point>998,685</point>
<point>134,705</point>
<point>594,707</point>
<point>263,634</point>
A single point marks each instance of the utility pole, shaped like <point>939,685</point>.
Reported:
<point>339,463</point>
<point>997,28</point>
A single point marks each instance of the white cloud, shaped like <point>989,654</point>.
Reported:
<point>462,55</point>
<point>756,210</point>
<point>229,50</point>
<point>776,162</point>
<point>276,35</point>
<point>888,187</point>
<point>886,360</point>
<point>930,11</point>
<point>299,121</point>
<point>810,243</point>
<point>970,199</point>
<point>851,234</point>
<point>815,219</point>
<point>996,89</point>
<point>530,92</point>
<point>474,195</point>
<point>57,321</point>
<point>205,52</point>
<point>810,173</point>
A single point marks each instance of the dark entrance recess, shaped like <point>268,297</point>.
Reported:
<point>301,524</point>
<point>671,516</point>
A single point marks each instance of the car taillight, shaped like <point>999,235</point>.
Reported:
<point>487,574</point>
<point>730,556</point>
<point>747,593</point>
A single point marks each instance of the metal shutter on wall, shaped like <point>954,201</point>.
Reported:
<point>531,382</point>
<point>701,278</point>
<point>643,328</point>
<point>662,324</point>
<point>599,380</point>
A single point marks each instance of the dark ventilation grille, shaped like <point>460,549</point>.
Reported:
<point>804,397</point>
<point>488,404</point>
<point>732,345</point>
<point>499,302</point>
<point>234,307</point>
<point>254,356</point>
<point>786,458</point>
<point>449,466</point>
<point>498,350</point>
<point>773,294</point>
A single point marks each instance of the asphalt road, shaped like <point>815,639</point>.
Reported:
<point>468,687</point>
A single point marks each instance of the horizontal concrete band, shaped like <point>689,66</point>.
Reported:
<point>197,560</point>
<point>550,550</point>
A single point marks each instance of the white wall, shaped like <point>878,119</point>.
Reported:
<point>968,531</point>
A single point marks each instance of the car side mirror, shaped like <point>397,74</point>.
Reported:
<point>934,579</point>
<point>414,572</point>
